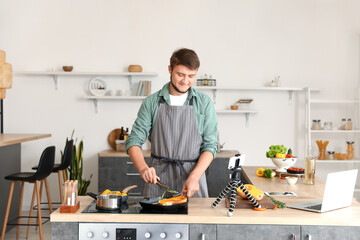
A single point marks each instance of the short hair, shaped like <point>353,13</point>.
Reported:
<point>186,57</point>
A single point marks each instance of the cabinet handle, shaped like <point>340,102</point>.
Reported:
<point>129,163</point>
<point>203,236</point>
<point>132,174</point>
<point>309,236</point>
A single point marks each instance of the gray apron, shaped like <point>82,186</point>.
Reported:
<point>175,149</point>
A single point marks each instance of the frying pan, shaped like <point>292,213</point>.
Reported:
<point>151,204</point>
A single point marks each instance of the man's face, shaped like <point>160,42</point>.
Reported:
<point>182,79</point>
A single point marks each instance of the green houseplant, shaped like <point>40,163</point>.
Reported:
<point>75,170</point>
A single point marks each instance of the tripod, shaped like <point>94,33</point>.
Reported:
<point>232,185</point>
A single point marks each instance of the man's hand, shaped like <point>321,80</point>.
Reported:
<point>191,186</point>
<point>149,175</point>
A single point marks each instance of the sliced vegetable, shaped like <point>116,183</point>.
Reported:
<point>173,200</point>
<point>256,193</point>
<point>259,209</point>
<point>260,172</point>
<point>289,156</point>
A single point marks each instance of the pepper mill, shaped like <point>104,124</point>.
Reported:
<point>350,151</point>
<point>322,149</point>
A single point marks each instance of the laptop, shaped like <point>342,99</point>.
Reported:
<point>338,193</point>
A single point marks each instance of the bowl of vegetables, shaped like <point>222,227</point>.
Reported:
<point>281,157</point>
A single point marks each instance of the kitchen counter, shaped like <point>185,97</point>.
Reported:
<point>7,139</point>
<point>147,153</point>
<point>201,212</point>
<point>10,153</point>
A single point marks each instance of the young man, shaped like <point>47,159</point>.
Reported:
<point>181,124</point>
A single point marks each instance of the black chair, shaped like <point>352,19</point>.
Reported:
<point>44,169</point>
<point>60,168</point>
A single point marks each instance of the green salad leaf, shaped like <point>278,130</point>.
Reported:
<point>274,149</point>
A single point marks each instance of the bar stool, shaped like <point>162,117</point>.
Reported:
<point>60,168</point>
<point>45,166</point>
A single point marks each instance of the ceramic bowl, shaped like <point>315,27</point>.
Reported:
<point>291,180</point>
<point>283,163</point>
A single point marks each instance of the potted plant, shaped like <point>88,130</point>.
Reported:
<point>75,170</point>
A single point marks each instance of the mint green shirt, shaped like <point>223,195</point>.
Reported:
<point>205,116</point>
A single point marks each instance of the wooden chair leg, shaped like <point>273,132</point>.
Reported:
<point>30,214</point>
<point>48,194</point>
<point>64,175</point>
<point>60,187</point>
<point>20,210</point>
<point>41,188</point>
<point>7,210</point>
<point>39,209</point>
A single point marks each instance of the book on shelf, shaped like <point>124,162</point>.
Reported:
<point>144,88</point>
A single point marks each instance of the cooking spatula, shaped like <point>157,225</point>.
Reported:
<point>169,193</point>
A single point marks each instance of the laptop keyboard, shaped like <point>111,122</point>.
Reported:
<point>315,207</point>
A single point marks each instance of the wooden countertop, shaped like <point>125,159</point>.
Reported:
<point>113,153</point>
<point>200,210</point>
<point>15,138</point>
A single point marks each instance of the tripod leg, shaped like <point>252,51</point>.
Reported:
<point>235,183</point>
<point>222,194</point>
<point>249,196</point>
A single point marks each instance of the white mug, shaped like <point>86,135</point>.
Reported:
<point>122,92</point>
<point>112,92</point>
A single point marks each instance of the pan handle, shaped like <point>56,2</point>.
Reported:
<point>93,195</point>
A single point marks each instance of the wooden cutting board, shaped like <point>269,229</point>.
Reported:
<point>245,203</point>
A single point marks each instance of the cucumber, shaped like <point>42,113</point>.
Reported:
<point>289,151</point>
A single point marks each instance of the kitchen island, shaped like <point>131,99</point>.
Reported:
<point>213,223</point>
<point>10,160</point>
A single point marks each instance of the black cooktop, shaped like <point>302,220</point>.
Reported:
<point>131,208</point>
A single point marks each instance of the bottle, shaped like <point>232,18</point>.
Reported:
<point>121,137</point>
<point>126,135</point>
<point>310,164</point>
<point>205,81</point>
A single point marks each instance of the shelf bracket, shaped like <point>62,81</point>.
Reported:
<point>247,119</point>
<point>290,96</point>
<point>56,81</point>
<point>214,96</point>
<point>96,103</point>
<point>130,83</point>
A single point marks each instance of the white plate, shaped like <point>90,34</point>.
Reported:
<point>97,86</point>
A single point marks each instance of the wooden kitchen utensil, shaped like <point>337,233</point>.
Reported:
<point>114,135</point>
<point>245,203</point>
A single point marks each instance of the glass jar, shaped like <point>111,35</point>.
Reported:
<point>331,155</point>
<point>343,124</point>
<point>327,125</point>
<point>316,125</point>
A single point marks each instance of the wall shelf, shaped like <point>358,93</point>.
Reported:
<point>338,161</point>
<point>333,101</point>
<point>290,90</point>
<point>97,98</point>
<point>56,75</point>
<point>246,112</point>
<point>335,131</point>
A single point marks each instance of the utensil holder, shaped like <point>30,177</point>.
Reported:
<point>69,209</point>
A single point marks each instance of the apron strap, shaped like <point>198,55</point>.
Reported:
<point>162,101</point>
<point>178,162</point>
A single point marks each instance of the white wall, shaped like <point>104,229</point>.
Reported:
<point>243,43</point>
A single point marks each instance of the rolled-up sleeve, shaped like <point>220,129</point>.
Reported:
<point>210,127</point>
<point>141,126</point>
